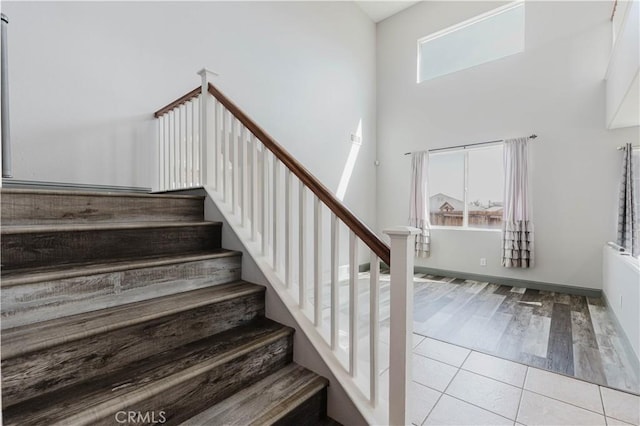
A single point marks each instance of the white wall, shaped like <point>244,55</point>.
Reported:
<point>555,89</point>
<point>86,77</point>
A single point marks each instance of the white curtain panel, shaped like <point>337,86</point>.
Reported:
<point>628,211</point>
<point>419,204</point>
<point>517,227</point>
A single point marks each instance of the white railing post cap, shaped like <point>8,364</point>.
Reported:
<point>401,230</point>
<point>206,71</point>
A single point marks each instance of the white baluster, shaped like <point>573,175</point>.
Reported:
<point>243,175</point>
<point>166,148</point>
<point>187,144</point>
<point>172,157</point>
<point>174,149</point>
<point>233,157</point>
<point>223,147</point>
<point>169,150</point>
<point>288,229</point>
<point>317,286</point>
<point>335,290</point>
<point>178,146</point>
<point>183,145</point>
<point>301,245</point>
<point>254,188</point>
<point>217,140</point>
<point>374,327</point>
<point>400,321</point>
<point>265,200</point>
<point>192,138</point>
<point>353,304</point>
<point>224,153</point>
<point>160,121</point>
<point>197,178</point>
<point>274,217</point>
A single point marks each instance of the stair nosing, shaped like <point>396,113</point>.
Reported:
<point>139,394</point>
<point>299,392</point>
<point>98,193</point>
<point>75,271</point>
<point>15,350</point>
<point>100,226</point>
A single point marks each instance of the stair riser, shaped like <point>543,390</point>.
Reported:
<point>19,208</point>
<point>50,369</point>
<point>40,301</point>
<point>309,413</point>
<point>192,396</point>
<point>25,250</point>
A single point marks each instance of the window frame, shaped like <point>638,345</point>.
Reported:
<point>465,193</point>
<point>478,18</point>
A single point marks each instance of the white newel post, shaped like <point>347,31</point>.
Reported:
<point>207,159</point>
<point>401,321</point>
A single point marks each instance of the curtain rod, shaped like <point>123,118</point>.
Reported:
<point>471,144</point>
<point>620,148</point>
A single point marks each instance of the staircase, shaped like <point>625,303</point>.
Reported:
<point>124,309</point>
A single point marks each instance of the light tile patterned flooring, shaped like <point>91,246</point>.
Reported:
<point>457,386</point>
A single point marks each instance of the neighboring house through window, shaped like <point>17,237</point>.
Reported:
<point>467,187</point>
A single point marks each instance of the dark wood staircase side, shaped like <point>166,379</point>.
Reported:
<point>126,303</point>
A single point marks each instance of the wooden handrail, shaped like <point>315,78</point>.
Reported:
<point>360,229</point>
<point>186,98</point>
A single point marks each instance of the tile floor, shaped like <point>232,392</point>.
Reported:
<point>457,386</point>
<point>454,385</point>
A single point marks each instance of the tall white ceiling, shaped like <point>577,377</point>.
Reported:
<point>379,10</point>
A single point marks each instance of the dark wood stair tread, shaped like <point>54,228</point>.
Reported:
<point>55,272</point>
<point>88,402</point>
<point>96,193</point>
<point>33,246</point>
<point>109,226</point>
<point>32,207</point>
<point>265,402</point>
<point>32,337</point>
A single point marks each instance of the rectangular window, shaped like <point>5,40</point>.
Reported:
<point>446,184</point>
<point>466,187</point>
<point>488,37</point>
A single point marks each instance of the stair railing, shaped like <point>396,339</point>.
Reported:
<point>273,202</point>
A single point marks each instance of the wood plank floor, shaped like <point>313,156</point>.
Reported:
<point>567,334</point>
